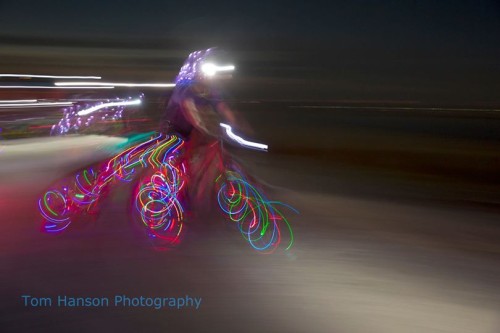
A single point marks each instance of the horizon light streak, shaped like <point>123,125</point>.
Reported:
<point>52,87</point>
<point>115,84</point>
<point>18,101</point>
<point>52,76</point>
<point>38,104</point>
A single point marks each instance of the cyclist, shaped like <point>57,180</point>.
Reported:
<point>194,112</point>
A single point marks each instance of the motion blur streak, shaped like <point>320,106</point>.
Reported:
<point>52,76</point>
<point>156,201</point>
<point>72,121</point>
<point>388,108</point>
<point>158,196</point>
<point>52,87</point>
<point>107,105</point>
<point>19,101</point>
<point>40,104</point>
<point>158,204</point>
<point>258,218</point>
<point>116,84</point>
<point>242,141</point>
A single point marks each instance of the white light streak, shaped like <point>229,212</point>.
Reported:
<point>107,105</point>
<point>18,101</point>
<point>39,104</point>
<point>116,84</point>
<point>51,87</point>
<point>242,141</point>
<point>91,99</point>
<point>73,77</point>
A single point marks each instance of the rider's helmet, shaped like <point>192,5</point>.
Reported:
<point>196,81</point>
<point>203,66</point>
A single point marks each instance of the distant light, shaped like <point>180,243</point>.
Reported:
<point>107,105</point>
<point>52,76</point>
<point>242,141</point>
<point>116,84</point>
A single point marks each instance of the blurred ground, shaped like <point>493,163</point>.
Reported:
<point>398,232</point>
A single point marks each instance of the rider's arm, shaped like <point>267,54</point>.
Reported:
<point>230,117</point>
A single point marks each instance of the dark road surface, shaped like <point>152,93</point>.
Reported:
<point>376,250</point>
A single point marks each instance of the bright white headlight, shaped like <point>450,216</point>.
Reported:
<point>209,69</point>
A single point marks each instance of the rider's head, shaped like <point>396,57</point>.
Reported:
<point>204,66</point>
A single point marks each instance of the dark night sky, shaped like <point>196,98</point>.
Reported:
<point>377,49</point>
